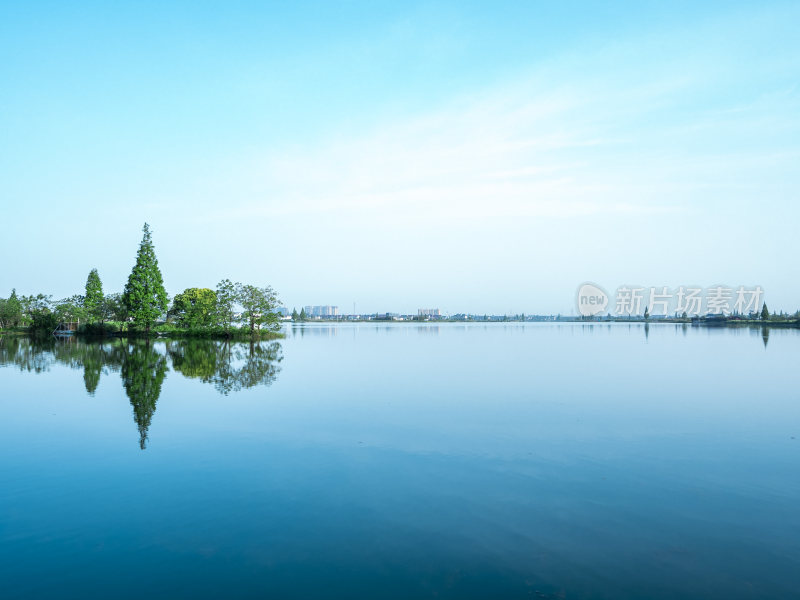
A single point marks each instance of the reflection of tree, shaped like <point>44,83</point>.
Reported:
<point>229,367</point>
<point>247,366</point>
<point>196,358</point>
<point>94,357</point>
<point>143,372</point>
<point>29,354</point>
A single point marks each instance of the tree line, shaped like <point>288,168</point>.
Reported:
<point>144,305</point>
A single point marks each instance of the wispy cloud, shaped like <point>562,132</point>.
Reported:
<point>556,141</point>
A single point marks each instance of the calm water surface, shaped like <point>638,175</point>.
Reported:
<point>404,461</point>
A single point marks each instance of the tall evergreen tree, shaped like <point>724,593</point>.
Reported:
<point>765,312</point>
<point>93,299</point>
<point>145,296</point>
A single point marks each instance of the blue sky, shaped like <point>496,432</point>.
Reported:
<point>482,157</point>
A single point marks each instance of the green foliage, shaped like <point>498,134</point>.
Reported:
<point>93,299</point>
<point>765,312</point>
<point>44,321</point>
<point>258,306</point>
<point>195,307</point>
<point>39,302</point>
<point>226,302</point>
<point>38,313</point>
<point>145,297</point>
<point>71,309</point>
<point>114,308</point>
<point>295,316</point>
<point>199,312</point>
<point>10,311</point>
<point>303,315</point>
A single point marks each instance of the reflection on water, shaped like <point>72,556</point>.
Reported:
<point>403,460</point>
<point>143,365</point>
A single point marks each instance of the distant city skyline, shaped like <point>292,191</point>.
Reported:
<point>477,157</point>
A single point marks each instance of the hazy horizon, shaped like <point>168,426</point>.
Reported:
<point>473,158</point>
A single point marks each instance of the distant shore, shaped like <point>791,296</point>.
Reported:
<point>696,322</point>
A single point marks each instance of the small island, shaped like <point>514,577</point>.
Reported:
<point>143,309</point>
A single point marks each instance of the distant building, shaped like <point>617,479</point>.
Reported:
<point>386,316</point>
<point>429,312</point>
<point>322,311</point>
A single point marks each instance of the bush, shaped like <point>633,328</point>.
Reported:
<point>43,321</point>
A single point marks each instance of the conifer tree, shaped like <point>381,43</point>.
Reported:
<point>93,299</point>
<point>145,296</point>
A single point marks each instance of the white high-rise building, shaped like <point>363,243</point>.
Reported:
<point>322,311</point>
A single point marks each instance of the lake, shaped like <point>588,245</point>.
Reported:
<point>540,460</point>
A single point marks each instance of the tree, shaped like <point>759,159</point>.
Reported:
<point>646,313</point>
<point>93,299</point>
<point>71,309</point>
<point>259,306</point>
<point>38,312</point>
<point>195,307</point>
<point>226,301</point>
<point>11,311</point>
<point>303,315</point>
<point>764,312</point>
<point>114,309</point>
<point>295,316</point>
<point>145,296</point>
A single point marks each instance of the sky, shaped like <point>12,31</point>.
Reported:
<point>481,157</point>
